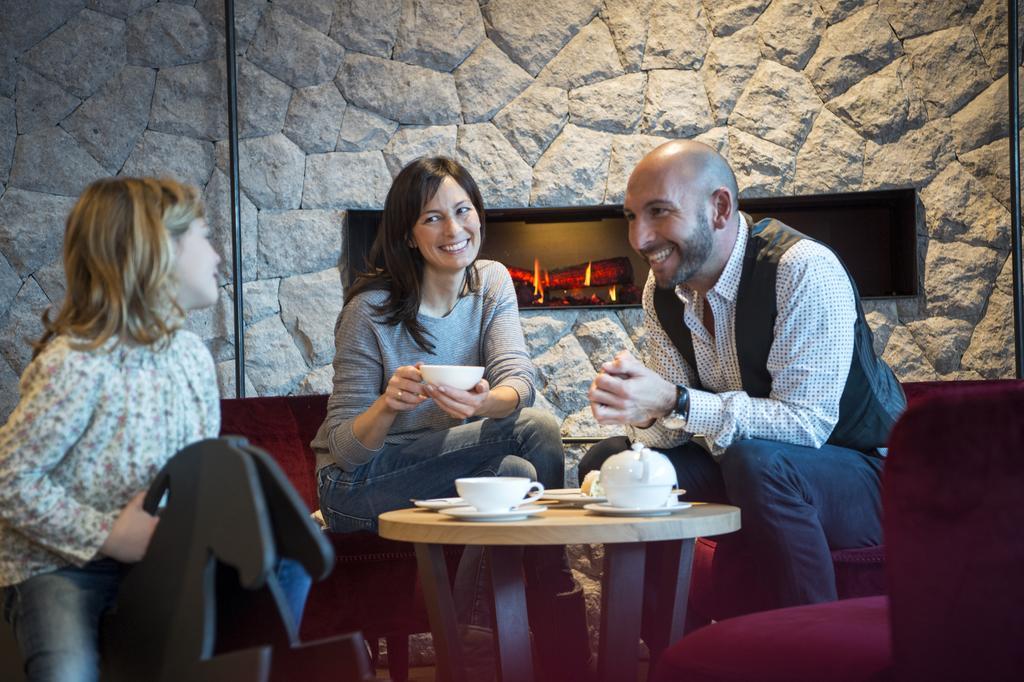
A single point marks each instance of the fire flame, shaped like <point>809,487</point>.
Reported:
<point>586,278</point>
<point>538,290</point>
<point>611,294</point>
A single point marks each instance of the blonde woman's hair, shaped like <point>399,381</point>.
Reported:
<point>119,262</point>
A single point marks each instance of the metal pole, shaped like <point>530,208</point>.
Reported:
<point>1018,296</point>
<point>236,199</point>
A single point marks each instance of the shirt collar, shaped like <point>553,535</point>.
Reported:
<point>729,281</point>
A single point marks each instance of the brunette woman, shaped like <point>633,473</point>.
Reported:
<point>389,436</point>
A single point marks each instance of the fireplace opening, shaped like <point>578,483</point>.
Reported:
<point>580,256</point>
<point>566,257</point>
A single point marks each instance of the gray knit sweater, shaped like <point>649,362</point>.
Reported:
<point>482,329</point>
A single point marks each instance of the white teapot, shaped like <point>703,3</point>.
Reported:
<point>638,478</point>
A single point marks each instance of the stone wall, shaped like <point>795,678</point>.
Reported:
<point>548,103</point>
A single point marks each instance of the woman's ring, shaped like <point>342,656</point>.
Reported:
<point>399,396</point>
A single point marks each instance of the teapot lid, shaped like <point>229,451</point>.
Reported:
<point>640,450</point>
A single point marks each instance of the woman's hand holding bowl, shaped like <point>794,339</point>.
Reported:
<point>457,403</point>
<point>405,389</point>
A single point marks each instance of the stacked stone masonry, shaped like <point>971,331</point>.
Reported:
<point>548,104</point>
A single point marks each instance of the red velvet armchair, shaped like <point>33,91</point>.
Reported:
<point>373,586</point>
<point>952,522</point>
<point>860,572</point>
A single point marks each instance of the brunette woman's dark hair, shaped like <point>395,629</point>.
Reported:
<point>397,267</point>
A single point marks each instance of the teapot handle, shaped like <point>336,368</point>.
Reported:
<point>645,462</point>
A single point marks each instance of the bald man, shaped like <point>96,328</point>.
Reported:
<point>760,384</point>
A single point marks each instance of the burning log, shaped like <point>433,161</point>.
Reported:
<point>521,276</point>
<point>524,294</point>
<point>595,274</point>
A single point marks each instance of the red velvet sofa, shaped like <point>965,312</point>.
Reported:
<point>373,587</point>
<point>952,518</point>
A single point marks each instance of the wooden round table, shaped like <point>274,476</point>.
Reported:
<point>658,547</point>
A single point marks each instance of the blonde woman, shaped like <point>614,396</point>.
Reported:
<point>115,388</point>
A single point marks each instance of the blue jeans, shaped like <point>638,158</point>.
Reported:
<point>797,504</point>
<point>56,619</point>
<point>526,443</point>
<point>56,616</point>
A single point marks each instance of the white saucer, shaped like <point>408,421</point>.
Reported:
<point>471,514</point>
<point>662,510</point>
<point>571,496</point>
<point>440,503</point>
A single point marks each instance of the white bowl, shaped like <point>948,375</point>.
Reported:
<point>462,377</point>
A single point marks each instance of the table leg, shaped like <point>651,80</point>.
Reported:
<point>666,590</point>
<point>437,593</point>
<point>511,626</point>
<point>621,599</point>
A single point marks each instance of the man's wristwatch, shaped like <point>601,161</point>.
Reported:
<point>677,418</point>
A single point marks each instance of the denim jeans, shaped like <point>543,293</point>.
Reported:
<point>526,443</point>
<point>56,616</point>
<point>797,504</point>
<point>56,619</point>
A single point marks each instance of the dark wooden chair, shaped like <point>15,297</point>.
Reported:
<point>205,602</point>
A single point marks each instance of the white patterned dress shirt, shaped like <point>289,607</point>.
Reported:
<point>809,359</point>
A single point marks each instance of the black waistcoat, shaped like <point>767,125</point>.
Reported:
<point>872,398</point>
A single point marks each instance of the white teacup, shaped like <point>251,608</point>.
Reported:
<point>462,377</point>
<point>496,493</point>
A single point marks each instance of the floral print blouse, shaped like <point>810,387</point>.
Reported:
<point>92,429</point>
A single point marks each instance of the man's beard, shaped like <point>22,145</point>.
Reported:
<point>694,252</point>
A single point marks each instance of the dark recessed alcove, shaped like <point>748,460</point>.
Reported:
<point>873,232</point>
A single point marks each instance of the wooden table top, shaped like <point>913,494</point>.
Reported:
<point>559,526</point>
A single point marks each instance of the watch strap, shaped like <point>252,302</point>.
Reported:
<point>682,408</point>
<point>676,419</point>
